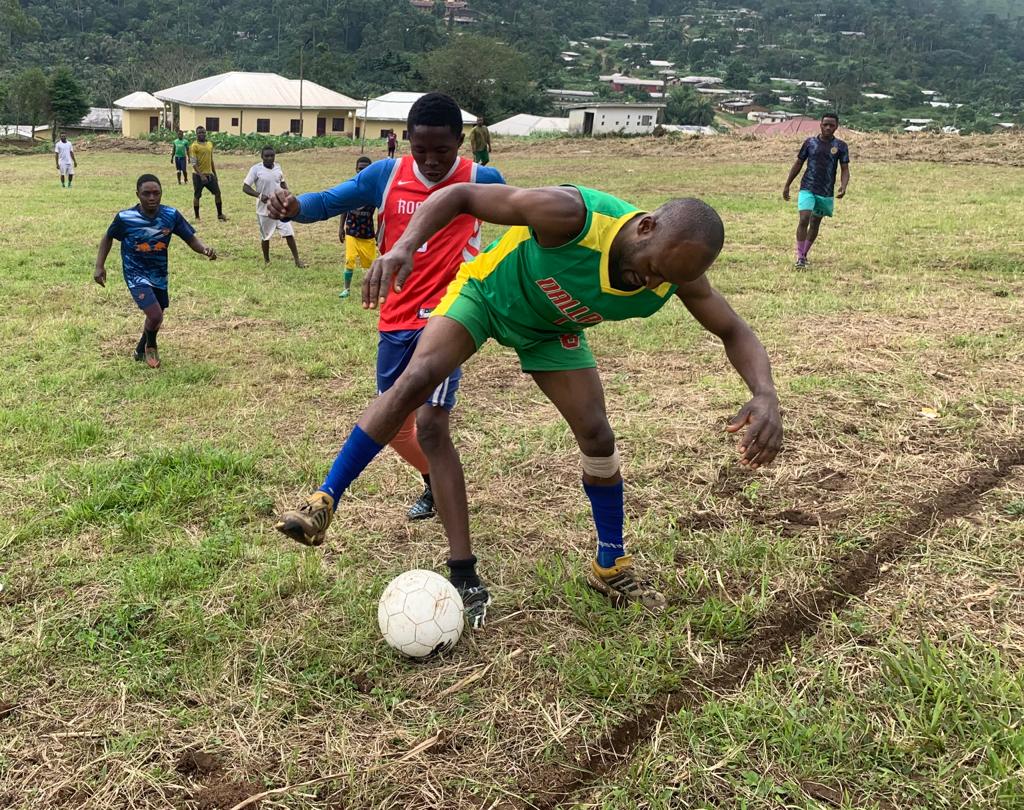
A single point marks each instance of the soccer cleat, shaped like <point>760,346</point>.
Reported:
<point>222,218</point>
<point>343,294</point>
<point>152,357</point>
<point>138,356</point>
<point>475,601</point>
<point>308,524</point>
<point>800,264</point>
<point>424,507</point>
<point>621,585</point>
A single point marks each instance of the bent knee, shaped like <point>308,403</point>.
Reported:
<point>432,429</point>
<point>596,438</point>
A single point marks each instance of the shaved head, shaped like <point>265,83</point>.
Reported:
<point>691,220</point>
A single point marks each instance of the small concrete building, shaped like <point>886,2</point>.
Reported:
<point>244,103</point>
<point>607,118</point>
<point>141,113</point>
<point>388,113</point>
<point>524,124</point>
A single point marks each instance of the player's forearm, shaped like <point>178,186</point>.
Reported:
<point>793,173</point>
<point>844,177</point>
<point>749,358</point>
<point>247,189</point>
<point>437,211</point>
<point>104,250</point>
<point>197,245</point>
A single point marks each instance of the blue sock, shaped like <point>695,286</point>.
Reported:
<point>606,502</point>
<point>358,451</point>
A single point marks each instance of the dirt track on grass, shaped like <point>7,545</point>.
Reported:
<point>784,626</point>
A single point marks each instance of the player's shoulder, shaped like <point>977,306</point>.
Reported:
<point>488,174</point>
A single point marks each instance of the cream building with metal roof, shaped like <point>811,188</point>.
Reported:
<point>243,103</point>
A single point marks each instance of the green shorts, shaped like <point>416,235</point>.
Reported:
<point>466,304</point>
<point>483,157</point>
<point>815,203</point>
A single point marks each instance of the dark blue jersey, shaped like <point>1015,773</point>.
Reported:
<point>144,242</point>
<point>823,159</point>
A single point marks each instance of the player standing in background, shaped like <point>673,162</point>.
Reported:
<point>822,153</point>
<point>397,188</point>
<point>392,143</point>
<point>261,182</point>
<point>144,233</point>
<point>204,173</point>
<point>64,154</point>
<point>359,237</point>
<point>179,156</point>
<point>480,142</point>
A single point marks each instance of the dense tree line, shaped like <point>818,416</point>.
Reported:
<point>970,49</point>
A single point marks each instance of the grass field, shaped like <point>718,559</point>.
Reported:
<point>846,627</point>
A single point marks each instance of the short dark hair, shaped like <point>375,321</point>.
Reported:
<point>147,178</point>
<point>694,220</point>
<point>831,115</point>
<point>435,110</point>
<point>364,160</point>
<point>267,146</point>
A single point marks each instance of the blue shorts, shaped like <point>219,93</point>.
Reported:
<point>145,296</point>
<point>394,351</point>
<point>179,164</point>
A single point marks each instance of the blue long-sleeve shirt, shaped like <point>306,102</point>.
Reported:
<point>366,188</point>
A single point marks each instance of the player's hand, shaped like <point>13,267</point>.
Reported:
<point>762,439</point>
<point>210,254</point>
<point>282,204</point>
<point>393,267</point>
<point>841,193</point>
<point>785,193</point>
<point>100,276</point>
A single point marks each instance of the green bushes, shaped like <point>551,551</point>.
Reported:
<point>255,141</point>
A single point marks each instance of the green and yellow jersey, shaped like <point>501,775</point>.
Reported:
<point>539,300</point>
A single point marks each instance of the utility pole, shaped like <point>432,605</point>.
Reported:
<point>302,51</point>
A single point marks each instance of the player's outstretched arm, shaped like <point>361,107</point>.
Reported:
<point>556,215</point>
<point>100,274</point>
<point>760,416</point>
<point>196,244</point>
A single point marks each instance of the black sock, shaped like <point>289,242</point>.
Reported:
<point>220,210</point>
<point>462,573</point>
<point>150,339</point>
<point>142,344</point>
<point>196,209</point>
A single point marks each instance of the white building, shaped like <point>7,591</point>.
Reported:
<point>604,119</point>
<point>389,112</point>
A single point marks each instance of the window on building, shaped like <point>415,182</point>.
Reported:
<point>646,121</point>
<point>337,125</point>
<point>234,122</point>
<point>357,132</point>
<point>263,125</point>
<point>405,134</point>
<point>294,126</point>
<point>213,125</point>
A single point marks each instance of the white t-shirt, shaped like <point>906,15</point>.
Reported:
<point>63,151</point>
<point>264,182</point>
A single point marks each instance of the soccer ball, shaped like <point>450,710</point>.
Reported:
<point>420,614</point>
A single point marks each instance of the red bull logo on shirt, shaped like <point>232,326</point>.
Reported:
<point>572,309</point>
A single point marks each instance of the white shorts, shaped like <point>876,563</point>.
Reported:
<point>67,168</point>
<point>268,226</point>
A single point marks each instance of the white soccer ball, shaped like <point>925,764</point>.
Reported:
<point>420,614</point>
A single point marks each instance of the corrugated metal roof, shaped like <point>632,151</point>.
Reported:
<point>395,107</point>
<point>264,90</point>
<point>139,100</point>
<point>525,124</point>
<point>794,126</point>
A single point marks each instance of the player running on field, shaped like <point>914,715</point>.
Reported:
<point>262,181</point>
<point>64,154</point>
<point>358,235</point>
<point>179,156</point>
<point>204,173</point>
<point>396,188</point>
<point>574,257</point>
<point>822,153</point>
<point>145,232</point>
